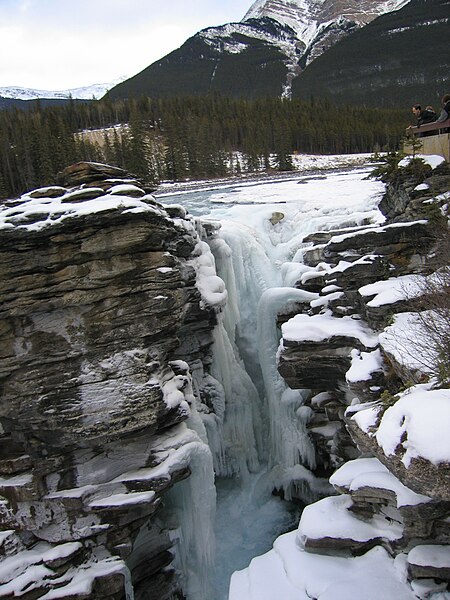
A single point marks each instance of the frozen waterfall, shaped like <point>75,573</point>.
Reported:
<point>258,436</point>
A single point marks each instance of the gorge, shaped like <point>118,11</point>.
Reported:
<point>141,359</point>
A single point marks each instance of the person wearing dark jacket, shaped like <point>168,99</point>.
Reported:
<point>422,116</point>
<point>445,112</point>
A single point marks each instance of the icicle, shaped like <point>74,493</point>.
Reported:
<point>289,441</point>
<point>224,264</point>
<point>194,501</point>
<point>128,585</point>
<point>241,420</point>
<point>247,273</point>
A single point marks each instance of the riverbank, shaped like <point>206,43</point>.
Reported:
<point>304,164</point>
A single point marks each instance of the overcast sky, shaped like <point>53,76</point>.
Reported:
<point>62,44</point>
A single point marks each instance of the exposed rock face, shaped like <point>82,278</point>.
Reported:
<point>98,284</point>
<point>345,347</point>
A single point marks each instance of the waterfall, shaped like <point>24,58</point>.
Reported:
<point>257,421</point>
<point>254,303</point>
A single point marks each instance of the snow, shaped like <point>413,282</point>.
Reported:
<point>407,341</point>
<point>417,424</point>
<point>97,90</point>
<point>123,499</point>
<point>433,160</point>
<point>16,480</point>
<point>81,580</point>
<point>366,415</point>
<point>290,573</point>
<point>430,556</point>
<point>331,518</point>
<point>61,551</point>
<point>308,18</point>
<point>337,239</point>
<point>35,214</point>
<point>211,287</point>
<point>364,364</point>
<point>319,328</point>
<point>12,566</point>
<point>370,472</point>
<point>393,290</point>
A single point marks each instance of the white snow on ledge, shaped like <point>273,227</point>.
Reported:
<point>416,426</point>
<point>430,556</point>
<point>393,290</point>
<point>287,572</point>
<point>35,214</point>
<point>331,518</point>
<point>318,328</point>
<point>363,365</point>
<point>337,239</point>
<point>370,472</point>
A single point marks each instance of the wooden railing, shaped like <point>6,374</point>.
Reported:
<point>434,127</point>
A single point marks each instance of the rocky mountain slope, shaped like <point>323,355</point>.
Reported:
<point>258,56</point>
<point>398,59</point>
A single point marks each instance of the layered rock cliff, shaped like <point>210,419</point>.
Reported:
<point>99,283</point>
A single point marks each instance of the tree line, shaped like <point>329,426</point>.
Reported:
<point>180,138</point>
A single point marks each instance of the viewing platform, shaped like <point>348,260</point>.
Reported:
<point>436,140</point>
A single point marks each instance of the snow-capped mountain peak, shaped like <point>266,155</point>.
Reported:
<point>306,17</point>
<point>96,91</point>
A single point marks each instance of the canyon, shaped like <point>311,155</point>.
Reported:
<point>131,378</point>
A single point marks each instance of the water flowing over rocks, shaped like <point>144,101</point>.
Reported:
<point>109,303</point>
<point>377,416</point>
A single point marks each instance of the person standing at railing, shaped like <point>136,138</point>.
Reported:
<point>422,116</point>
<point>445,112</point>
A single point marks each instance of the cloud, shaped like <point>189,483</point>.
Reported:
<point>62,44</point>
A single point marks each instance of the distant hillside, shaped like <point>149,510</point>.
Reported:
<point>30,104</point>
<point>397,59</point>
<point>24,98</point>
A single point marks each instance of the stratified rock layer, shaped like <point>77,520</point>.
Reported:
<point>97,284</point>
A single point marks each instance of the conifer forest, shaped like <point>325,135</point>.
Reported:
<point>183,138</point>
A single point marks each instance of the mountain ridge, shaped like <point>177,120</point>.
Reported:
<point>293,33</point>
<point>94,91</point>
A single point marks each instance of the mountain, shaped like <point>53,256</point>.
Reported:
<point>19,96</point>
<point>397,59</point>
<point>258,56</point>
